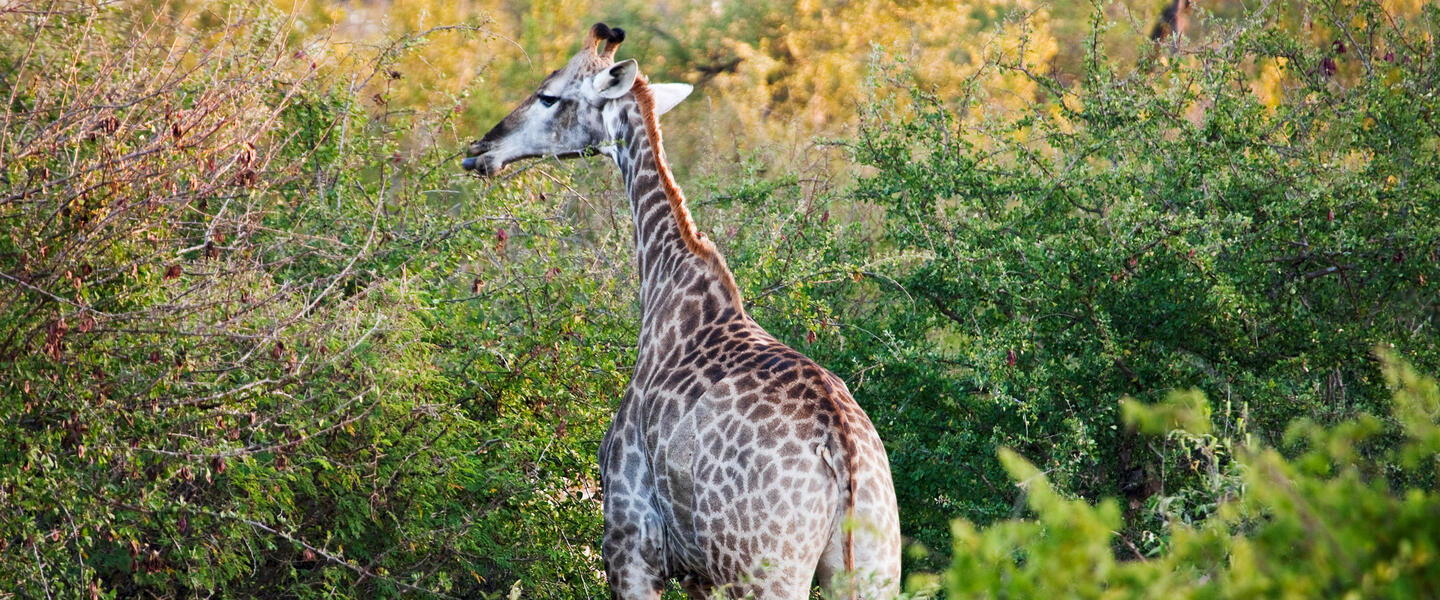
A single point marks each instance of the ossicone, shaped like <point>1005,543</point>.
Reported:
<point>611,37</point>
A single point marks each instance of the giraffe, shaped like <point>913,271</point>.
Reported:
<point>734,463</point>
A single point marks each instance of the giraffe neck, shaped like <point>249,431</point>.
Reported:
<point>681,272</point>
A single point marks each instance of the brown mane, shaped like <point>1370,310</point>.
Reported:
<point>694,239</point>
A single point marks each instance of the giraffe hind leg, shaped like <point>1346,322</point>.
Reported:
<point>874,536</point>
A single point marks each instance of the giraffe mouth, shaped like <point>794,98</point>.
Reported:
<point>481,159</point>
<point>481,167</point>
<point>488,165</point>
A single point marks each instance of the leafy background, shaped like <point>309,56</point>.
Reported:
<point>1135,316</point>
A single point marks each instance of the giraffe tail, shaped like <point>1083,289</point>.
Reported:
<point>842,456</point>
<point>862,558</point>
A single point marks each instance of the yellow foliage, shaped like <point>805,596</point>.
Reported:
<point>771,74</point>
<point>1270,85</point>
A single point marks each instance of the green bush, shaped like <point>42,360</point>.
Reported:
<point>259,336</point>
<point>1329,523</point>
<point>242,352</point>
<point>1172,226</point>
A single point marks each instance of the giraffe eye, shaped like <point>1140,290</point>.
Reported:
<point>547,101</point>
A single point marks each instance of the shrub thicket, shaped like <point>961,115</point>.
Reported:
<point>259,337</point>
<point>257,341</point>
<point>1329,523</point>
<point>1180,225</point>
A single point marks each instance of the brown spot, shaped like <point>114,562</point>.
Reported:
<point>746,383</point>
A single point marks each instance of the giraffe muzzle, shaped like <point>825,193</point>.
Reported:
<point>471,164</point>
<point>480,160</point>
<point>482,167</point>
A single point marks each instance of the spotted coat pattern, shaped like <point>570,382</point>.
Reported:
<point>734,463</point>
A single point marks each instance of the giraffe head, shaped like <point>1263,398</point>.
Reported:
<point>564,118</point>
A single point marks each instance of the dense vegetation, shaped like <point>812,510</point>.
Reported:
<point>259,336</point>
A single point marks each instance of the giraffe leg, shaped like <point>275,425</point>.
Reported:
<point>876,575</point>
<point>874,535</point>
<point>633,545</point>
<point>634,568</point>
<point>782,584</point>
<point>695,589</point>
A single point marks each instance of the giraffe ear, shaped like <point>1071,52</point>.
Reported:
<point>616,80</point>
<point>667,95</point>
